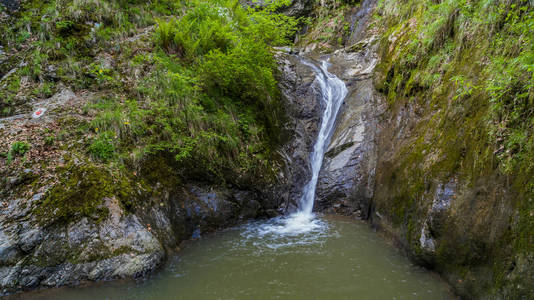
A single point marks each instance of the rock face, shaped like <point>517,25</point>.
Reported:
<point>443,221</point>
<point>121,245</point>
<point>32,256</point>
<point>418,168</point>
<point>303,97</point>
<point>299,8</point>
<point>346,181</point>
<point>360,20</point>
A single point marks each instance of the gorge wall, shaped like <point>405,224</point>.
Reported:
<point>432,142</point>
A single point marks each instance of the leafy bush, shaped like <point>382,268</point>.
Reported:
<point>64,27</point>
<point>20,148</point>
<point>223,25</point>
<point>49,140</point>
<point>213,101</point>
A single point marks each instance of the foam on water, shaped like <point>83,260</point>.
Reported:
<point>284,232</point>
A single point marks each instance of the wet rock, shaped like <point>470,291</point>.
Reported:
<point>28,282</point>
<point>426,240</point>
<point>443,197</point>
<point>31,256</point>
<point>346,180</point>
<point>64,274</point>
<point>299,8</point>
<point>251,209</point>
<point>29,239</point>
<point>196,234</point>
<point>125,265</point>
<point>360,19</point>
<point>303,96</point>
<point>79,232</point>
<point>9,278</point>
<point>9,252</point>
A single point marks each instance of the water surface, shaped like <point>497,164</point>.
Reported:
<point>329,258</point>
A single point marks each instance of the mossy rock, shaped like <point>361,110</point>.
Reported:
<point>80,193</point>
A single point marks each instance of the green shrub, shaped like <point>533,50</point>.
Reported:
<point>49,140</point>
<point>18,148</point>
<point>212,101</point>
<point>222,25</point>
<point>102,147</point>
<point>64,27</point>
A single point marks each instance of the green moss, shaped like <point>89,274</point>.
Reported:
<point>80,193</point>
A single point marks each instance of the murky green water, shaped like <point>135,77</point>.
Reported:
<point>338,259</point>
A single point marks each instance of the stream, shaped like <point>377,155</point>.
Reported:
<point>299,256</point>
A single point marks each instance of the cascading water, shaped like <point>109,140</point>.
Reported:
<point>333,93</point>
<point>303,222</point>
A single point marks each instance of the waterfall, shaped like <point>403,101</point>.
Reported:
<point>303,222</point>
<point>333,92</point>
